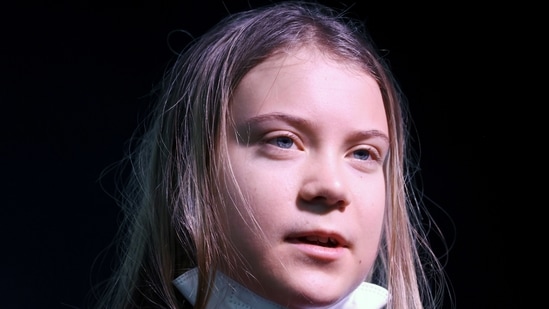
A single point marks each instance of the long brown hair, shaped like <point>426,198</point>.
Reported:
<point>175,212</point>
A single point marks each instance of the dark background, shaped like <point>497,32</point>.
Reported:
<point>76,79</point>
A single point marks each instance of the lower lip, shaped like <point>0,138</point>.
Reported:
<point>319,253</point>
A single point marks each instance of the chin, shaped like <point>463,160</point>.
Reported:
<point>318,297</point>
<point>311,302</point>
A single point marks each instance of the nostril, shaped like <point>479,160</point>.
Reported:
<point>341,205</point>
<point>321,204</point>
<point>331,200</point>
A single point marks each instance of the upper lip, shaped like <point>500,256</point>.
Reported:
<point>322,236</point>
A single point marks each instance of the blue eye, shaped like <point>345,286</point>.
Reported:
<point>362,154</point>
<point>283,142</point>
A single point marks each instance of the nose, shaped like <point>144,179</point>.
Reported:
<point>324,185</point>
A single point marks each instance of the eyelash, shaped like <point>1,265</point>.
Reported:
<point>372,154</point>
<point>368,151</point>
<point>271,140</point>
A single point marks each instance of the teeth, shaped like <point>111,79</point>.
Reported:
<point>322,240</point>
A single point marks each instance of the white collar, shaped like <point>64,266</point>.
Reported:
<point>231,295</point>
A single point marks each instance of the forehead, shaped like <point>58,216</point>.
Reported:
<point>307,54</point>
<point>307,63</point>
<point>308,83</point>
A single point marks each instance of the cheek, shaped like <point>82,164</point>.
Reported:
<point>370,224</point>
<point>244,197</point>
<point>264,184</point>
<point>370,193</point>
<point>371,208</point>
<point>267,198</point>
<point>250,214</point>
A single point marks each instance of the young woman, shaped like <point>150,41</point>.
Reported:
<point>275,174</point>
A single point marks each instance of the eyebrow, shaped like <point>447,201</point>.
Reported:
<point>300,122</point>
<point>367,134</point>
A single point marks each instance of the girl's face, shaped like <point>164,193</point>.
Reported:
<point>307,150</point>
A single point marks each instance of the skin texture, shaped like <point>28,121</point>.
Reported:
<point>310,137</point>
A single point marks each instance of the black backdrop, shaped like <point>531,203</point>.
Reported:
<point>75,82</point>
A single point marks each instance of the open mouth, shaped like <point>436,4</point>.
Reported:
<point>328,242</point>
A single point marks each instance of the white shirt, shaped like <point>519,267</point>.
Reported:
<point>229,294</point>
